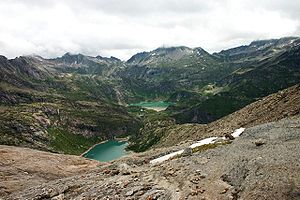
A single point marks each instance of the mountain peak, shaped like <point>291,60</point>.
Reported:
<point>2,58</point>
<point>112,58</point>
<point>262,48</point>
<point>68,54</point>
<point>272,41</point>
<point>71,58</point>
<point>173,53</point>
<point>172,48</point>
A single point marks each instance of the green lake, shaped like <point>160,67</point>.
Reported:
<point>157,105</point>
<point>107,151</point>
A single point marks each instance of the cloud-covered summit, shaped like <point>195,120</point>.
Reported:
<point>121,28</point>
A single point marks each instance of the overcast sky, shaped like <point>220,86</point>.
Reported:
<point>122,28</point>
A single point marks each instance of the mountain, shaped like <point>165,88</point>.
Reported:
<point>19,71</point>
<point>52,105</point>
<point>82,99</point>
<point>165,54</point>
<point>245,167</point>
<point>67,104</point>
<point>258,49</point>
<point>86,64</point>
<point>161,72</point>
<point>261,70</point>
<point>271,108</point>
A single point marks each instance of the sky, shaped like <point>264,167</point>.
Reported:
<point>121,28</point>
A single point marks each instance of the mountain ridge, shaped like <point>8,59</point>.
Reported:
<point>202,87</point>
<point>170,47</point>
<point>67,104</point>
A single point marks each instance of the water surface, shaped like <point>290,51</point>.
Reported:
<point>107,151</point>
<point>156,105</point>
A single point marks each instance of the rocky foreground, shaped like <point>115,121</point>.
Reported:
<point>261,164</point>
<point>22,168</point>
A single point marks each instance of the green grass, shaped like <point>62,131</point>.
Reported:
<point>143,146</point>
<point>69,143</point>
<point>210,146</point>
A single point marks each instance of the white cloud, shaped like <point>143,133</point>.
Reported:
<point>121,28</point>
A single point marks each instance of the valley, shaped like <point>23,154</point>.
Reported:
<point>59,119</point>
<point>69,103</point>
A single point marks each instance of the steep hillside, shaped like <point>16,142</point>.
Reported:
<point>161,72</point>
<point>274,107</point>
<point>54,106</point>
<point>69,127</point>
<point>262,68</point>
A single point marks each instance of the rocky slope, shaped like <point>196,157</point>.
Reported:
<point>22,168</point>
<point>261,164</point>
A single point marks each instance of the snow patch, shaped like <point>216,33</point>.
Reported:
<point>205,141</point>
<point>238,132</point>
<point>210,140</point>
<point>166,157</point>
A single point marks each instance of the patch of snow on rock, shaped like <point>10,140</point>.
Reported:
<point>210,140</point>
<point>205,141</point>
<point>238,132</point>
<point>166,157</point>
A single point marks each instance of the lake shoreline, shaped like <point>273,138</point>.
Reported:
<point>82,155</point>
<point>126,139</point>
<point>157,109</point>
<point>108,150</point>
<point>157,106</point>
<point>117,139</point>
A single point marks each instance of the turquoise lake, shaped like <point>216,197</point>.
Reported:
<point>107,151</point>
<point>156,104</point>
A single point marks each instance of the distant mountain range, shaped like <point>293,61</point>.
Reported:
<point>83,98</point>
